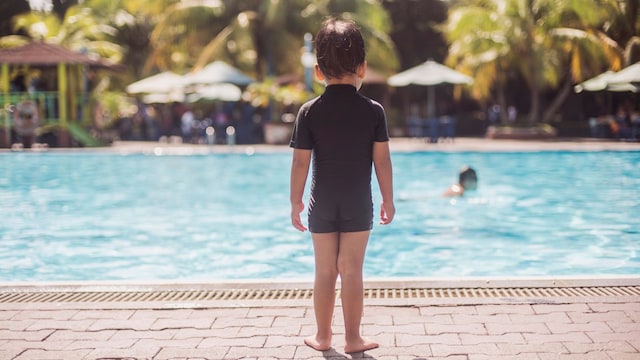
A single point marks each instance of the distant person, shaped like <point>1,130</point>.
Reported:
<point>467,180</point>
<point>512,114</point>
<point>345,133</point>
<point>187,122</point>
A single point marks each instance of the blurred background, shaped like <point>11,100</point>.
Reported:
<point>90,72</point>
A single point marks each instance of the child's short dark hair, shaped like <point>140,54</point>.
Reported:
<point>339,48</point>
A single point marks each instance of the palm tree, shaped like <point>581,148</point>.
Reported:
<point>9,9</point>
<point>79,30</point>
<point>625,29</point>
<point>546,42</point>
<point>263,37</point>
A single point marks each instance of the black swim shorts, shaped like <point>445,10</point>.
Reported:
<point>340,214</point>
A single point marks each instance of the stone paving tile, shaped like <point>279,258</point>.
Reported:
<point>161,324</point>
<point>522,356</point>
<point>554,308</point>
<point>409,339</point>
<point>25,335</point>
<point>437,329</point>
<point>500,329</point>
<point>59,335</point>
<point>415,329</point>
<point>596,355</point>
<point>37,354</point>
<point>184,353</point>
<point>191,333</point>
<point>117,324</point>
<point>606,337</point>
<point>449,350</point>
<point>284,352</point>
<point>104,344</point>
<point>561,328</point>
<point>10,353</point>
<point>47,314</point>
<point>617,346</point>
<point>72,325</point>
<point>577,337</point>
<point>550,347</point>
<point>166,334</point>
<point>635,343</point>
<point>525,309</point>
<point>558,317</point>
<point>162,314</point>
<point>103,314</point>
<point>8,315</point>
<point>588,317</point>
<point>621,356</point>
<point>277,331</point>
<point>512,338</point>
<point>515,331</point>
<point>43,345</point>
<point>448,310</point>
<point>14,325</point>
<point>119,354</point>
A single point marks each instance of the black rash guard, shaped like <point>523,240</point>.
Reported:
<point>340,127</point>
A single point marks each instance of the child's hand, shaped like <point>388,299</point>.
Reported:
<point>387,212</point>
<point>296,209</point>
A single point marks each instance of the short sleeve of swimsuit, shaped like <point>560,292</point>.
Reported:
<point>340,128</point>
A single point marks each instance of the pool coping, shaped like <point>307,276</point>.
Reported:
<point>397,144</point>
<point>485,290</point>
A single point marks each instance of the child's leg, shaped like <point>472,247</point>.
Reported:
<point>325,248</point>
<point>350,262</point>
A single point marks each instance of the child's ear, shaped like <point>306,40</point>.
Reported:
<point>319,75</point>
<point>361,71</point>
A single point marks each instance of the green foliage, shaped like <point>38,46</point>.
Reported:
<point>545,42</point>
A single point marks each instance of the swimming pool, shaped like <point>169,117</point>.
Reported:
<point>106,216</point>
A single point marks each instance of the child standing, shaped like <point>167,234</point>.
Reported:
<point>345,133</point>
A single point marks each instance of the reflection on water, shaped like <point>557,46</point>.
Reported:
<point>226,216</point>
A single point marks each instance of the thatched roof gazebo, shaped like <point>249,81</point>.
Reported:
<point>65,101</point>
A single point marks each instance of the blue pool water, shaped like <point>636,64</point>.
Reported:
<point>98,216</point>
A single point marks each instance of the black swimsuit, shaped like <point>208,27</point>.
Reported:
<point>340,127</point>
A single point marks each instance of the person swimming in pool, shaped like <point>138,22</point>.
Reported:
<point>467,180</point>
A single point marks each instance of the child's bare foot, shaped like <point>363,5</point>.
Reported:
<point>363,344</point>
<point>318,344</point>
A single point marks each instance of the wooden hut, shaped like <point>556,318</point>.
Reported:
<point>45,84</point>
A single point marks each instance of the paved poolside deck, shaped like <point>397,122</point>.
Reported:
<point>537,319</point>
<point>461,319</point>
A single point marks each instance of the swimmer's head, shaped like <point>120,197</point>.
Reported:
<point>468,178</point>
<point>339,48</point>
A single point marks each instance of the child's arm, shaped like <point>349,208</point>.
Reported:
<point>299,172</point>
<point>384,173</point>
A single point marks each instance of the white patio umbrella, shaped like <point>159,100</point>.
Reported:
<point>630,74</point>
<point>217,72</point>
<point>602,82</point>
<point>223,92</point>
<point>429,73</point>
<point>162,83</point>
<point>163,98</point>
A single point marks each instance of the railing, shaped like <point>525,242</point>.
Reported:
<point>48,103</point>
<point>26,114</point>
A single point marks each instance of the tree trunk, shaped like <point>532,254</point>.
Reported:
<point>558,100</point>
<point>534,111</point>
<point>502,101</point>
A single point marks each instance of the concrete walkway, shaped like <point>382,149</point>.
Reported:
<point>494,328</point>
<point>579,331</point>
<point>397,144</point>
